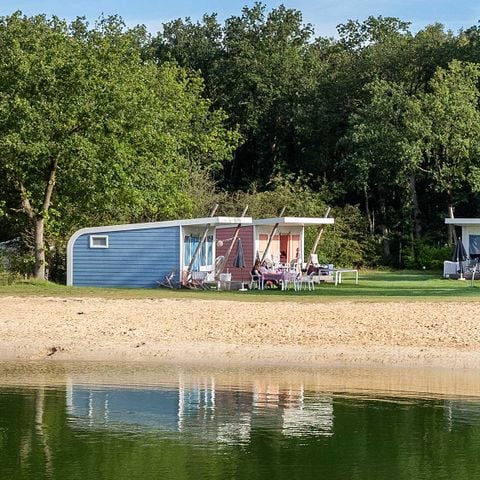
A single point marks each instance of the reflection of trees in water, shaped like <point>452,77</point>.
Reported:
<point>31,421</point>
<point>272,430</point>
<point>462,412</point>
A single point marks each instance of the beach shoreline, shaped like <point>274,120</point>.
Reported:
<point>210,332</point>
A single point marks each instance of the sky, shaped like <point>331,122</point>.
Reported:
<point>324,15</point>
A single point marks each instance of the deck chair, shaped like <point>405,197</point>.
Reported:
<point>314,260</point>
<point>472,269</point>
<point>219,264</point>
<point>168,281</point>
<point>198,279</point>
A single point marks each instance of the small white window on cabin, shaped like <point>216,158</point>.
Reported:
<point>98,241</point>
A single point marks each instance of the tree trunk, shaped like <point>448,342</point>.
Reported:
<point>38,219</point>
<point>386,242</point>
<point>39,228</point>
<point>416,209</point>
<point>384,228</point>
<point>370,217</point>
<point>452,234</point>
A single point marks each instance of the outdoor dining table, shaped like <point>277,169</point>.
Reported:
<point>272,276</point>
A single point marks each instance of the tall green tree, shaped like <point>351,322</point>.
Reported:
<point>90,129</point>
<point>385,158</point>
<point>254,68</point>
<point>451,116</point>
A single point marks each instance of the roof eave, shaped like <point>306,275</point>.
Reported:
<point>462,221</point>
<point>290,221</point>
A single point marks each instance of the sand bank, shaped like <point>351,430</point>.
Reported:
<point>346,333</point>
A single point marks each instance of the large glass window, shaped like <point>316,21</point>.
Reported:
<point>204,258</point>
<point>474,246</point>
<point>207,251</point>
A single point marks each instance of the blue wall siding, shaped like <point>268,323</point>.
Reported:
<point>134,258</point>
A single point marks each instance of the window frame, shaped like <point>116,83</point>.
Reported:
<point>97,237</point>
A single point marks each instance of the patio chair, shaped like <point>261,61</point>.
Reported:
<point>168,282</point>
<point>198,279</point>
<point>472,268</point>
<point>293,267</point>
<point>290,278</point>
<point>255,282</point>
<point>219,264</point>
<point>306,281</point>
<point>225,281</point>
<point>275,259</point>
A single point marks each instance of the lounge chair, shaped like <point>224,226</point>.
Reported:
<point>198,279</point>
<point>168,281</point>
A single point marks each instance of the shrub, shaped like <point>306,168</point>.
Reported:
<point>426,254</point>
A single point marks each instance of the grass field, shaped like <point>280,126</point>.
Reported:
<point>373,285</point>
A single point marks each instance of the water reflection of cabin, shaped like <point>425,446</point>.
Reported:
<point>289,237</point>
<point>220,414</point>
<point>139,255</point>
<point>202,410</point>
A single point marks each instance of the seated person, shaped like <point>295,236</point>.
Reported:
<point>312,269</point>
<point>255,272</point>
<point>263,268</point>
<point>283,257</point>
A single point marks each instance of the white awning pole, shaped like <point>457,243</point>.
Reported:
<point>317,240</point>
<point>221,267</point>
<point>272,234</point>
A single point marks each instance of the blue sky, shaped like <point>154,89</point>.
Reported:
<point>324,15</point>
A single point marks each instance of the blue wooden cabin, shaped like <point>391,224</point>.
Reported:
<point>140,255</point>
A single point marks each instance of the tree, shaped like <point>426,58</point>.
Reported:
<point>90,129</point>
<point>384,142</point>
<point>397,137</point>
<point>451,117</point>
<point>254,67</point>
<point>196,46</point>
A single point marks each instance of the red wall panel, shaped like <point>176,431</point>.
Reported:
<point>246,234</point>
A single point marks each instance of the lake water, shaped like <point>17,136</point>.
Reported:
<point>77,421</point>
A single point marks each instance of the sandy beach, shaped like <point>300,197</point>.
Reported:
<point>217,332</point>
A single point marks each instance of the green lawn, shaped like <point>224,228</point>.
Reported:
<point>372,286</point>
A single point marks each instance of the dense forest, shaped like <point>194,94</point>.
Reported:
<point>103,124</point>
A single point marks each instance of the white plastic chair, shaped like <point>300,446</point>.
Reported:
<point>306,281</point>
<point>197,279</point>
<point>224,282</point>
<point>290,278</point>
<point>275,259</point>
<point>255,282</point>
